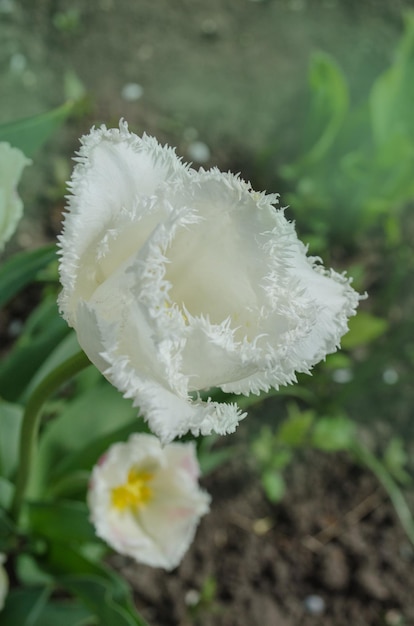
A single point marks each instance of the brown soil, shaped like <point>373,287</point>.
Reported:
<point>332,554</point>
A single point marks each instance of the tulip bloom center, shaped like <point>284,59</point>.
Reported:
<point>134,493</point>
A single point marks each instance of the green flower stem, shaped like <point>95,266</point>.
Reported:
<point>366,458</point>
<point>31,422</point>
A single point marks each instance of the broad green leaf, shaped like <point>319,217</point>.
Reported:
<point>101,590</point>
<point>94,414</point>
<point>65,613</point>
<point>43,330</point>
<point>22,269</point>
<point>82,460</point>
<point>30,133</point>
<point>65,521</point>
<point>24,606</point>
<point>28,571</point>
<point>6,493</point>
<point>98,596</point>
<point>32,607</point>
<point>392,95</point>
<point>333,433</point>
<point>68,347</point>
<point>363,328</point>
<point>329,103</point>
<point>10,423</point>
<point>8,532</point>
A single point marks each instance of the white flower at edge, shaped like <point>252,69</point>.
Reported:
<point>4,582</point>
<point>177,281</point>
<point>12,163</point>
<point>145,500</point>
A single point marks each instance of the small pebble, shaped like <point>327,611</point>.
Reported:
<point>315,605</point>
<point>393,618</point>
<point>132,92</point>
<point>262,526</point>
<point>192,597</point>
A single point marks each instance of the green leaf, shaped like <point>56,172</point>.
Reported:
<point>24,606</point>
<point>68,347</point>
<point>10,423</point>
<point>22,269</point>
<point>294,431</point>
<point>30,133</point>
<point>215,458</point>
<point>8,532</point>
<point>329,103</point>
<point>337,360</point>
<point>43,330</point>
<point>101,590</point>
<point>209,459</point>
<point>65,521</point>
<point>393,93</point>
<point>28,571</point>
<point>273,485</point>
<point>263,446</point>
<point>99,597</point>
<point>96,413</point>
<point>30,607</point>
<point>68,473</point>
<point>396,459</point>
<point>363,328</point>
<point>332,434</point>
<point>6,492</point>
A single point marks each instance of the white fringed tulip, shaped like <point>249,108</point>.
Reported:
<point>4,582</point>
<point>12,163</point>
<point>145,500</point>
<point>177,281</point>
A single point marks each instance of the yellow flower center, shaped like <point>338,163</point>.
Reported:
<point>133,494</point>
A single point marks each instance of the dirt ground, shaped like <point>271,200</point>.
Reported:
<point>332,554</point>
<point>223,72</point>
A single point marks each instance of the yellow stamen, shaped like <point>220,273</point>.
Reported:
<point>133,494</point>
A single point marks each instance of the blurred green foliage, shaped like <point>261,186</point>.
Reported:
<point>351,188</point>
<point>356,161</point>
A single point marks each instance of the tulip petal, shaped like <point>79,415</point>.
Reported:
<point>158,531</point>
<point>177,281</point>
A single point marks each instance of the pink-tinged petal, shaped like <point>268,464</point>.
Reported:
<point>158,530</point>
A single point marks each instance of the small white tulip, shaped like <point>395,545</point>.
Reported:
<point>177,281</point>
<point>145,500</point>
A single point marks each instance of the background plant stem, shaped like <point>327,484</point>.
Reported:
<point>31,422</point>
